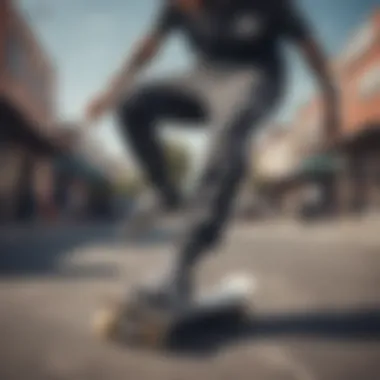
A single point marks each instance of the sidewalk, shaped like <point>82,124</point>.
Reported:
<point>355,229</point>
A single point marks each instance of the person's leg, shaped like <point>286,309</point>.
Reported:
<point>219,185</point>
<point>139,115</point>
<point>238,102</point>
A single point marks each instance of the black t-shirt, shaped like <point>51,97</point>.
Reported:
<point>241,31</point>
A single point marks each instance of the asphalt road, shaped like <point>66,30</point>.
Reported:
<point>317,306</point>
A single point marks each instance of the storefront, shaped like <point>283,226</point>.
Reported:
<point>27,114</point>
<point>359,75</point>
<point>362,175</point>
<point>354,186</point>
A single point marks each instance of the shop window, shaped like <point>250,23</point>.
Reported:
<point>369,83</point>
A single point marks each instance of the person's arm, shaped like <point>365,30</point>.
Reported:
<point>143,54</point>
<point>298,31</point>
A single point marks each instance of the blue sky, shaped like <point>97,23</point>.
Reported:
<point>88,39</point>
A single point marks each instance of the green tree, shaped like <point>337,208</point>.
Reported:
<point>130,187</point>
<point>179,161</point>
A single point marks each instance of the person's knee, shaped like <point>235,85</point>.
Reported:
<point>133,111</point>
<point>140,110</point>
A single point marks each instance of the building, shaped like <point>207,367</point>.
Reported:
<point>349,179</point>
<point>38,161</point>
<point>27,113</point>
<point>359,79</point>
<point>357,70</point>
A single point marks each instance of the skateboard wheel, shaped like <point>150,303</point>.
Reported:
<point>131,322</point>
<point>106,323</point>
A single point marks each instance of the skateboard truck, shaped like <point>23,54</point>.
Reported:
<point>139,324</point>
<point>133,322</point>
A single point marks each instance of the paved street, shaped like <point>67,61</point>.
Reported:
<point>317,306</point>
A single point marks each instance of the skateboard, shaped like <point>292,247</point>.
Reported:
<point>136,324</point>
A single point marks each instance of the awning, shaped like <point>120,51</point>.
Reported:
<point>320,164</point>
<point>14,127</point>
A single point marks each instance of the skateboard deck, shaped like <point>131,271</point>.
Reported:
<point>136,324</point>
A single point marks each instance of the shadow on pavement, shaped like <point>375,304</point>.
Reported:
<point>42,253</point>
<point>209,337</point>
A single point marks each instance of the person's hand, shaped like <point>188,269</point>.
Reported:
<point>99,106</point>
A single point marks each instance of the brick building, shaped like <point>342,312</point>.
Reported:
<point>359,78</point>
<point>351,179</point>
<point>357,70</point>
<point>40,171</point>
<point>27,115</point>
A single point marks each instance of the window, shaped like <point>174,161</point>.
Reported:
<point>360,43</point>
<point>369,83</point>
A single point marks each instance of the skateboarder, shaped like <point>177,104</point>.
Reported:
<point>236,82</point>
